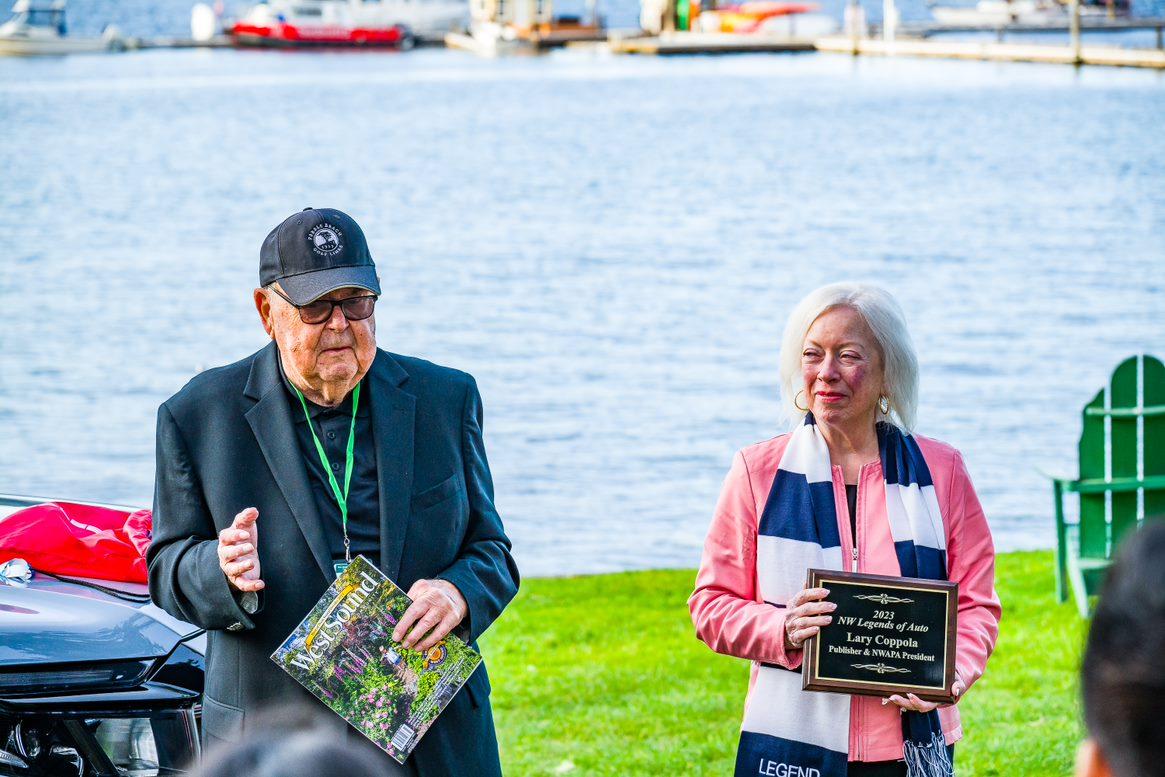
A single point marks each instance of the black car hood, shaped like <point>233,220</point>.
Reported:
<point>56,622</point>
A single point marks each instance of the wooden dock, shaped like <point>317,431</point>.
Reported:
<point>995,52</point>
<point>1087,24</point>
<point>708,43</point>
<point>916,40</point>
<point>217,42</point>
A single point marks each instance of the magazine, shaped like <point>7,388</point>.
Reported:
<point>343,652</point>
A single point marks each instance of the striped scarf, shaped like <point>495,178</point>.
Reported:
<point>788,731</point>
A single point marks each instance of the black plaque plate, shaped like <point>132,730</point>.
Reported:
<point>888,635</point>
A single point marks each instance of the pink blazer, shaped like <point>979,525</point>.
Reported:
<point>731,618</point>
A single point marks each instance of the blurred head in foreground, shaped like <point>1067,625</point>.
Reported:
<point>1123,674</point>
<point>290,743</point>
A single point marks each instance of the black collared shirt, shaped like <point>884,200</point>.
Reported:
<point>331,426</point>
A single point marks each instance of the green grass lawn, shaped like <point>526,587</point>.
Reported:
<point>603,675</point>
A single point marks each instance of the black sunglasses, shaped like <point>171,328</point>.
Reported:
<point>354,308</point>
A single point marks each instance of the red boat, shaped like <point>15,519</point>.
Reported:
<point>280,34</point>
<point>320,24</point>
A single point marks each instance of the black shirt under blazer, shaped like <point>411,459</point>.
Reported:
<point>226,441</point>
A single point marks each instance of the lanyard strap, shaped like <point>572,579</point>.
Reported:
<point>341,496</point>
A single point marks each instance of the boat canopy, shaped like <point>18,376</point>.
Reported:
<point>40,13</point>
<point>23,6</point>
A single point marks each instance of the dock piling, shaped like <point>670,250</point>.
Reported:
<point>1074,30</point>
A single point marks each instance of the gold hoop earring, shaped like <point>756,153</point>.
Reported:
<point>884,404</point>
<point>802,409</point>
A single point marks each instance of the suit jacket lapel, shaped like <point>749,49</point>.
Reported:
<point>272,422</point>
<point>393,411</point>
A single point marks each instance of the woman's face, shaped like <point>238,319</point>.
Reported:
<point>841,367</point>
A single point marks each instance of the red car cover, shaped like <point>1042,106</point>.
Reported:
<point>74,540</point>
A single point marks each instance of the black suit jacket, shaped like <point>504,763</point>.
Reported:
<point>227,441</point>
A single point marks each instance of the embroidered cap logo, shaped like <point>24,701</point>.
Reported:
<point>325,240</point>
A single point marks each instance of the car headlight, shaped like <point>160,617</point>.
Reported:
<point>149,745</point>
<point>74,677</point>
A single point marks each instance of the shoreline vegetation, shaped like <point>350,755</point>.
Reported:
<point>603,675</point>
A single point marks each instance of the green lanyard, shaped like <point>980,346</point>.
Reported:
<point>341,497</point>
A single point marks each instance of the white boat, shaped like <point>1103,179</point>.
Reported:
<point>348,22</point>
<point>999,13</point>
<point>39,28</point>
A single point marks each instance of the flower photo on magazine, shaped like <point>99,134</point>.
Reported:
<point>343,652</point>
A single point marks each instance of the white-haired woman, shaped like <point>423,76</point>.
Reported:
<point>822,496</point>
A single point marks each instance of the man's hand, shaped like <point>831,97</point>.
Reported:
<point>437,607</point>
<point>238,552</point>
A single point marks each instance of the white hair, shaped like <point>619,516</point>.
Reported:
<point>884,316</point>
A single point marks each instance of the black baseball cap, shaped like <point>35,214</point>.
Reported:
<point>316,251</point>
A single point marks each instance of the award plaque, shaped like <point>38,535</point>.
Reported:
<point>888,635</point>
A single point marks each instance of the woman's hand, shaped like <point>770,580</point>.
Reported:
<point>805,616</point>
<point>915,704</point>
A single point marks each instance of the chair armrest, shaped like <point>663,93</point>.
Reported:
<point>1118,485</point>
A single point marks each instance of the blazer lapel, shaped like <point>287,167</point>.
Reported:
<point>274,426</point>
<point>393,411</point>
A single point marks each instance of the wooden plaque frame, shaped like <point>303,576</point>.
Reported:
<point>888,588</point>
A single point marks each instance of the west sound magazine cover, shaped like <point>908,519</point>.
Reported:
<point>343,652</point>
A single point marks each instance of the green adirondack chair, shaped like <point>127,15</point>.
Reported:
<point>1122,476</point>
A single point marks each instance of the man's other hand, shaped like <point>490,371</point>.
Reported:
<point>238,552</point>
<point>436,609</point>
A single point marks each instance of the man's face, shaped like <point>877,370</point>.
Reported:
<point>334,353</point>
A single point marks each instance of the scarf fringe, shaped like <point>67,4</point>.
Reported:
<point>928,759</point>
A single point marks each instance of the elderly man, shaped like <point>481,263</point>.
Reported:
<point>274,471</point>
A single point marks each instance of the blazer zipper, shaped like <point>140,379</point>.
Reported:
<point>857,521</point>
<point>855,742</point>
<point>856,707</point>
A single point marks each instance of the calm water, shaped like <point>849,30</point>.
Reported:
<point>610,245</point>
